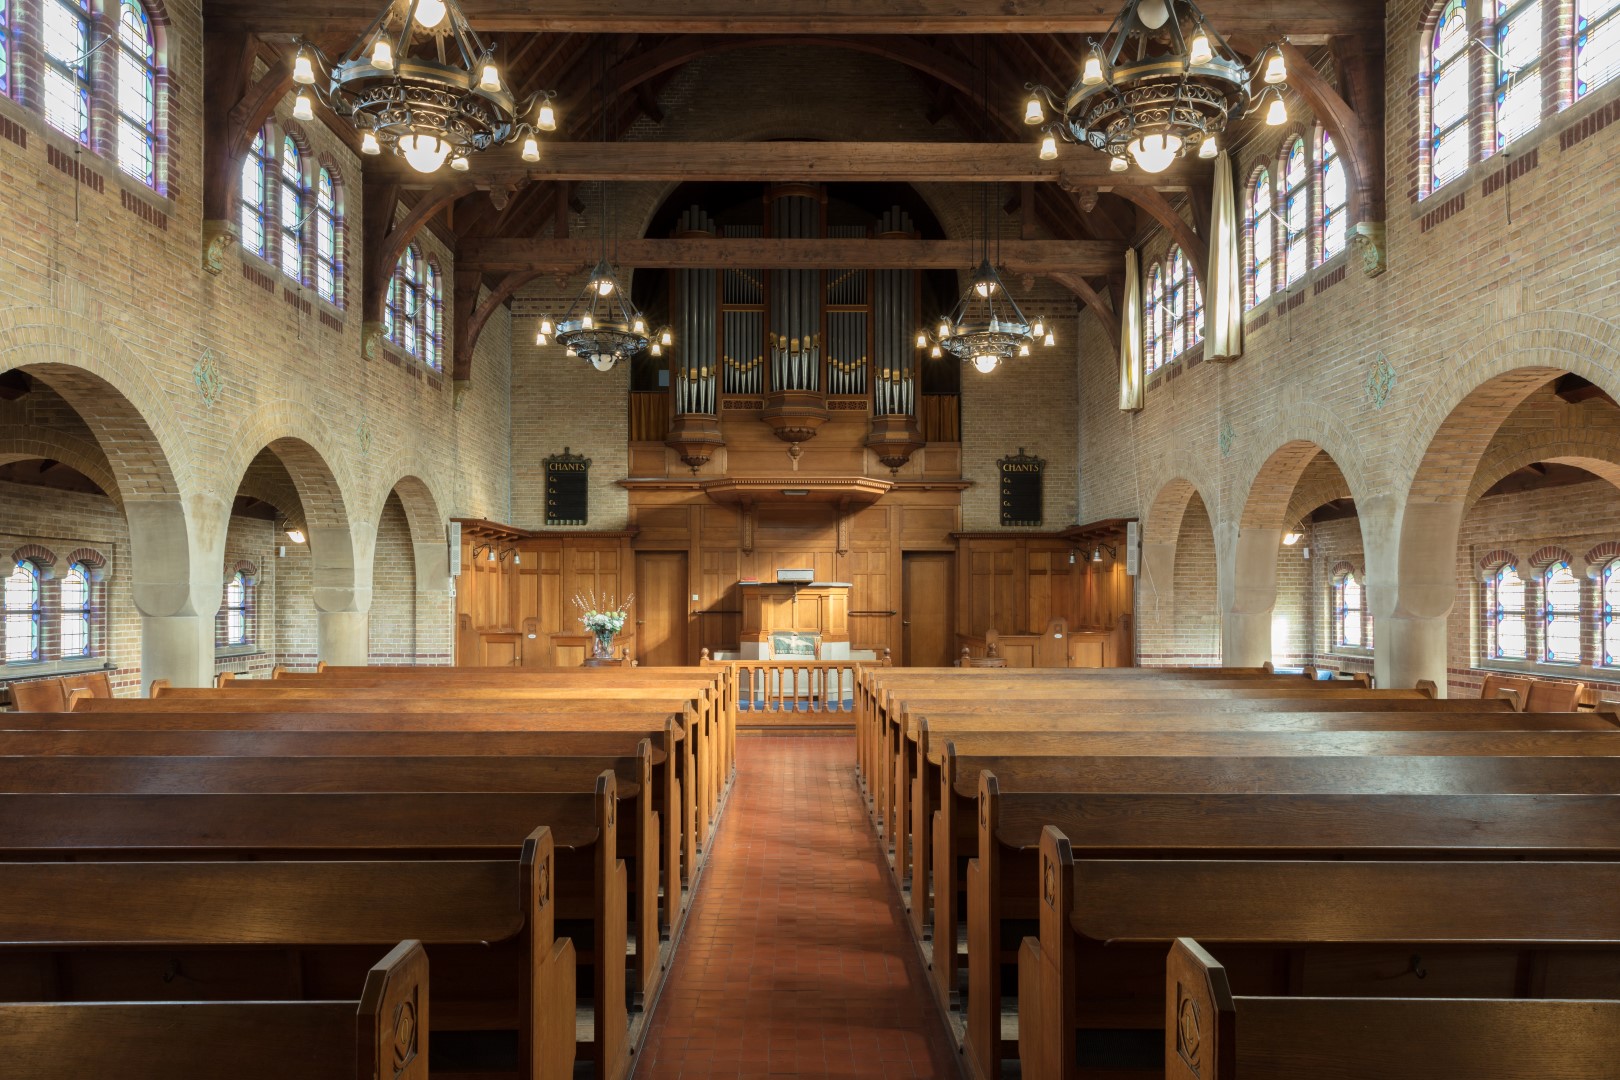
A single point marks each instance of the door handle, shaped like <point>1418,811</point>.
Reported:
<point>905,622</point>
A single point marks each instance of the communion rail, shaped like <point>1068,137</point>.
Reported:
<point>789,684</point>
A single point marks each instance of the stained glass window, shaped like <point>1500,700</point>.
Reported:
<point>21,606</point>
<point>1335,199</point>
<point>66,36</point>
<point>1597,43</point>
<point>1518,69</point>
<point>405,319</point>
<point>137,94</point>
<point>433,318</point>
<point>1506,609</point>
<point>5,47</point>
<point>1611,609</point>
<point>1347,611</point>
<point>1448,96</point>
<point>255,196</point>
<point>1152,312</point>
<point>1175,306</point>
<point>238,610</point>
<point>326,237</point>
<point>75,597</point>
<point>1261,254</point>
<point>1296,212</point>
<point>292,210</point>
<point>1561,610</point>
<point>1195,293</point>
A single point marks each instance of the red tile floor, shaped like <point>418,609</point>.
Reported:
<point>796,960</point>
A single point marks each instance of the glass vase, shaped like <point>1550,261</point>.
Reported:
<point>603,649</point>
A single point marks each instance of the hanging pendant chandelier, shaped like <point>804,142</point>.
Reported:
<point>987,327</point>
<point>602,326</point>
<point>421,81</point>
<point>1161,83</point>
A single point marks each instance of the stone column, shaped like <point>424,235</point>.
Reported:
<point>1411,642</point>
<point>175,601</point>
<point>342,593</point>
<point>1246,622</point>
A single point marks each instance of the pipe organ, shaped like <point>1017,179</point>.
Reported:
<point>795,333</point>
<point>696,342</point>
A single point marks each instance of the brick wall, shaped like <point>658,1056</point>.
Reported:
<point>393,596</point>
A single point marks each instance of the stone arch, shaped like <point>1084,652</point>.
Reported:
<point>30,441</point>
<point>1598,452</point>
<point>1167,551</point>
<point>431,633</point>
<point>302,442</point>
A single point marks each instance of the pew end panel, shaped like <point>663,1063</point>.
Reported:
<point>547,997</point>
<point>392,1027</point>
<point>1199,1017</point>
<point>982,1038</point>
<point>1047,1011</point>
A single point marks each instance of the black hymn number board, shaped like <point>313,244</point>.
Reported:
<point>568,489</point>
<point>1021,489</point>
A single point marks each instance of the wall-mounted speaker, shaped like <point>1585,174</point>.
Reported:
<point>1133,547</point>
<point>454,532</point>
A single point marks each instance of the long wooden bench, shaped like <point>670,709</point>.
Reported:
<point>1395,808</point>
<point>380,1033</point>
<point>158,930</point>
<point>1213,1034</point>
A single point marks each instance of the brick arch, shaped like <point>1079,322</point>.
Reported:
<point>1551,553</point>
<point>1492,561</point>
<point>43,558</point>
<point>267,480</point>
<point>418,495</point>
<point>302,442</point>
<point>1605,552</point>
<point>25,442</point>
<point>1169,506</point>
<point>93,560</point>
<point>1270,478</point>
<point>1595,450</point>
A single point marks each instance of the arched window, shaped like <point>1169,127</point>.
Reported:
<point>22,612</point>
<point>326,237</point>
<point>406,312</point>
<point>137,94</point>
<point>1448,96</point>
<point>238,610</point>
<point>1296,212</point>
<point>1348,611</point>
<point>1518,69</point>
<point>5,48</point>
<point>433,318</point>
<point>1597,43</point>
<point>1505,606</point>
<point>1262,253</point>
<point>1561,615</point>
<point>66,38</point>
<point>1175,306</point>
<point>1195,300</point>
<point>256,196</point>
<point>292,210</point>
<point>1335,199</point>
<point>1152,316</point>
<point>1611,610</point>
<point>77,640</point>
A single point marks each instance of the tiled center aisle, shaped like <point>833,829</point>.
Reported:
<point>797,960</point>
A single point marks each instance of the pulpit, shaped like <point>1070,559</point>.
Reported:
<point>808,619</point>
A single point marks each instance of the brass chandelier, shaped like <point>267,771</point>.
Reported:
<point>421,81</point>
<point>987,327</point>
<point>1161,82</point>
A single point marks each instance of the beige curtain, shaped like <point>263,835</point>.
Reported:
<point>1130,336</point>
<point>1223,317</point>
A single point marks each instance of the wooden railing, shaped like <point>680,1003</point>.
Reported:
<point>789,685</point>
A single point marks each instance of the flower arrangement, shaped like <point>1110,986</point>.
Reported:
<point>604,617</point>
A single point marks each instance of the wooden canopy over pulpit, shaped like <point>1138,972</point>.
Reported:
<point>795,618</point>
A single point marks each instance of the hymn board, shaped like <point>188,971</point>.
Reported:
<point>568,489</point>
<point>1021,490</point>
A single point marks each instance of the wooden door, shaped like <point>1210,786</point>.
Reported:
<point>660,609</point>
<point>927,609</point>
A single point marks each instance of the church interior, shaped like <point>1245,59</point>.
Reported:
<point>592,538</point>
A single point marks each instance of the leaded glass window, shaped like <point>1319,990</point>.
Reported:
<point>22,613</point>
<point>256,197</point>
<point>1175,306</point>
<point>1448,96</point>
<point>1335,199</point>
<point>292,210</point>
<point>76,639</point>
<point>239,610</point>
<point>5,47</point>
<point>1611,610</point>
<point>326,237</point>
<point>406,315</point>
<point>1262,253</point>
<point>1195,294</point>
<point>1561,615</point>
<point>137,94</point>
<point>1347,611</point>
<point>1296,212</point>
<point>1518,69</point>
<point>1597,43</point>
<point>1506,611</point>
<point>1152,313</point>
<point>433,318</point>
<point>66,84</point>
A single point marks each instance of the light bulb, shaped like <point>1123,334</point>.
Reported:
<point>382,55</point>
<point>1200,52</point>
<point>369,143</point>
<point>1039,329</point>
<point>657,349</point>
<point>425,153</point>
<point>1291,538</point>
<point>944,329</point>
<point>1153,13</point>
<point>429,13</point>
<point>546,120</point>
<point>572,351</point>
<point>1051,339</point>
<point>542,338</point>
<point>1277,113</point>
<point>604,286</point>
<point>531,148</point>
<point>1023,349</point>
<point>1092,74</point>
<point>639,326</point>
<point>587,323</point>
<point>935,353</point>
<point>303,69</point>
<point>295,534</point>
<point>1118,164</point>
<point>602,361</point>
<point>1048,148</point>
<point>491,554</point>
<point>1096,554</point>
<point>984,289</point>
<point>1207,149</point>
<point>303,109</point>
<point>460,164</point>
<point>1033,113</point>
<point>1276,69</point>
<point>545,325</point>
<point>986,363</point>
<point>490,80</point>
<point>922,340</point>
<point>1154,153</point>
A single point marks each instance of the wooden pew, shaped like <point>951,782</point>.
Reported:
<point>1212,1034</point>
<point>1371,817</point>
<point>158,930</point>
<point>381,1033</point>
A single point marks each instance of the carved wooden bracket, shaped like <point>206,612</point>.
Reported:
<point>235,108</point>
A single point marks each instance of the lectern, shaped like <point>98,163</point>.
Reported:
<point>795,610</point>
